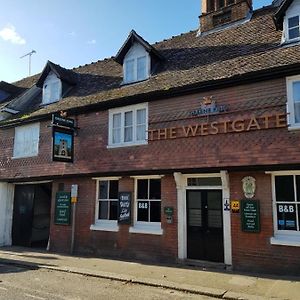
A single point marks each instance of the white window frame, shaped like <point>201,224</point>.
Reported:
<point>122,111</point>
<point>292,11</point>
<point>50,80</point>
<point>100,224</point>
<point>145,227</point>
<point>282,237</point>
<point>290,103</point>
<point>35,149</point>
<point>136,51</point>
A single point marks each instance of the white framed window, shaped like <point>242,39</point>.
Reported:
<point>26,141</point>
<point>136,66</point>
<point>106,209</point>
<point>291,23</point>
<point>293,101</point>
<point>147,205</point>
<point>52,89</point>
<point>286,208</point>
<point>128,125</point>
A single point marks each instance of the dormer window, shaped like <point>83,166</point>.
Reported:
<point>293,28</point>
<point>136,65</point>
<point>52,89</point>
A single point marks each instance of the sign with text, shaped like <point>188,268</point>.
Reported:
<point>62,208</point>
<point>235,206</point>
<point>124,208</point>
<point>250,215</point>
<point>62,121</point>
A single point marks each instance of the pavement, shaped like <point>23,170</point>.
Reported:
<point>222,284</point>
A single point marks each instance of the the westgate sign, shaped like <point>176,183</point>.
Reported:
<point>226,126</point>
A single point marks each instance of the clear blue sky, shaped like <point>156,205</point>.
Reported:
<point>77,32</point>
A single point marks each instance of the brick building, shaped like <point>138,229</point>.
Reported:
<point>197,137</point>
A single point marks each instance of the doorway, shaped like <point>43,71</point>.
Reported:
<point>31,215</point>
<point>205,225</point>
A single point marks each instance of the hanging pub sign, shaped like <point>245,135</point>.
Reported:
<point>62,208</point>
<point>124,216</point>
<point>63,138</point>
<point>250,215</point>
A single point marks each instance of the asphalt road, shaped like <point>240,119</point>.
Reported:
<point>17,283</point>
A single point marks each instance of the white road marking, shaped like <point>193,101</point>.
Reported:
<point>35,297</point>
<point>3,288</point>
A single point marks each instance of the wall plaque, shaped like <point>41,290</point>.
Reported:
<point>250,215</point>
<point>124,208</point>
<point>62,208</point>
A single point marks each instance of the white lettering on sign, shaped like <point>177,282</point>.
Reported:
<point>143,205</point>
<point>286,208</point>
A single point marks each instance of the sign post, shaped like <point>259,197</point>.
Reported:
<point>74,196</point>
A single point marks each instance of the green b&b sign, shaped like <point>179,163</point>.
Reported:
<point>62,208</point>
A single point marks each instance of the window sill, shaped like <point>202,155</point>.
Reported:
<point>294,127</point>
<point>105,226</point>
<point>127,145</point>
<point>146,229</point>
<point>285,240</point>
<point>25,156</point>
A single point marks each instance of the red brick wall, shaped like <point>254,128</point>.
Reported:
<point>118,244</point>
<point>253,251</point>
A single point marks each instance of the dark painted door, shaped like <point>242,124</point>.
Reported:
<point>23,213</point>
<point>205,225</point>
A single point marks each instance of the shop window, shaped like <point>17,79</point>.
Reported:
<point>128,126</point>
<point>148,206</point>
<point>26,142</point>
<point>293,104</point>
<point>286,209</point>
<point>106,212</point>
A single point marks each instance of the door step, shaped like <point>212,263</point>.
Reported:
<point>206,264</point>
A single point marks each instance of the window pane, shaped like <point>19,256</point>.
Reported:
<point>155,189</point>
<point>141,132</point>
<point>113,189</point>
<point>113,210</point>
<point>128,133</point>
<point>129,70</point>
<point>155,211</point>
<point>297,112</point>
<point>103,189</point>
<point>142,189</point>
<point>116,136</point>
<point>284,187</point>
<point>210,181</point>
<point>286,217</point>
<point>141,116</point>
<point>128,118</point>
<point>103,210</point>
<point>293,22</point>
<point>143,211</point>
<point>298,187</point>
<point>141,68</point>
<point>293,33</point>
<point>117,120</point>
<point>296,91</point>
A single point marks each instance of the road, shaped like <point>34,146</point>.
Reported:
<point>18,283</point>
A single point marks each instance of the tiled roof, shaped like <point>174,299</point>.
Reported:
<point>229,54</point>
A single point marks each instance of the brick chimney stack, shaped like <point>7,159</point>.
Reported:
<point>216,13</point>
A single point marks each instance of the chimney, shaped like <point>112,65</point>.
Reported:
<point>216,13</point>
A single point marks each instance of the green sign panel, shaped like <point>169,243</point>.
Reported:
<point>169,211</point>
<point>62,208</point>
<point>250,215</point>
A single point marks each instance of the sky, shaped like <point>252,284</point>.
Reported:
<point>77,32</point>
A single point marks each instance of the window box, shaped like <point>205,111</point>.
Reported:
<point>128,126</point>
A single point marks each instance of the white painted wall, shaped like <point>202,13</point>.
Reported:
<point>6,212</point>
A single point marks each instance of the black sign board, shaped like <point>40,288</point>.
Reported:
<point>62,208</point>
<point>61,121</point>
<point>124,208</point>
<point>250,215</point>
<point>63,145</point>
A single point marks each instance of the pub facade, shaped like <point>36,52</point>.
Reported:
<point>185,151</point>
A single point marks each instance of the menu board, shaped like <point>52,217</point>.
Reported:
<point>250,215</point>
<point>62,208</point>
<point>124,208</point>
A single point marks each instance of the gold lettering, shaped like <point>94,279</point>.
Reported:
<point>225,126</point>
<point>190,129</point>
<point>280,120</point>
<point>215,129</point>
<point>266,121</point>
<point>173,133</point>
<point>151,134</point>
<point>162,134</point>
<point>204,128</point>
<point>238,125</point>
<point>253,124</point>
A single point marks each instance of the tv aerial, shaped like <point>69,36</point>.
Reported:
<point>29,56</point>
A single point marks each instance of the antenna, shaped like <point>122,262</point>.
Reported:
<point>29,55</point>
